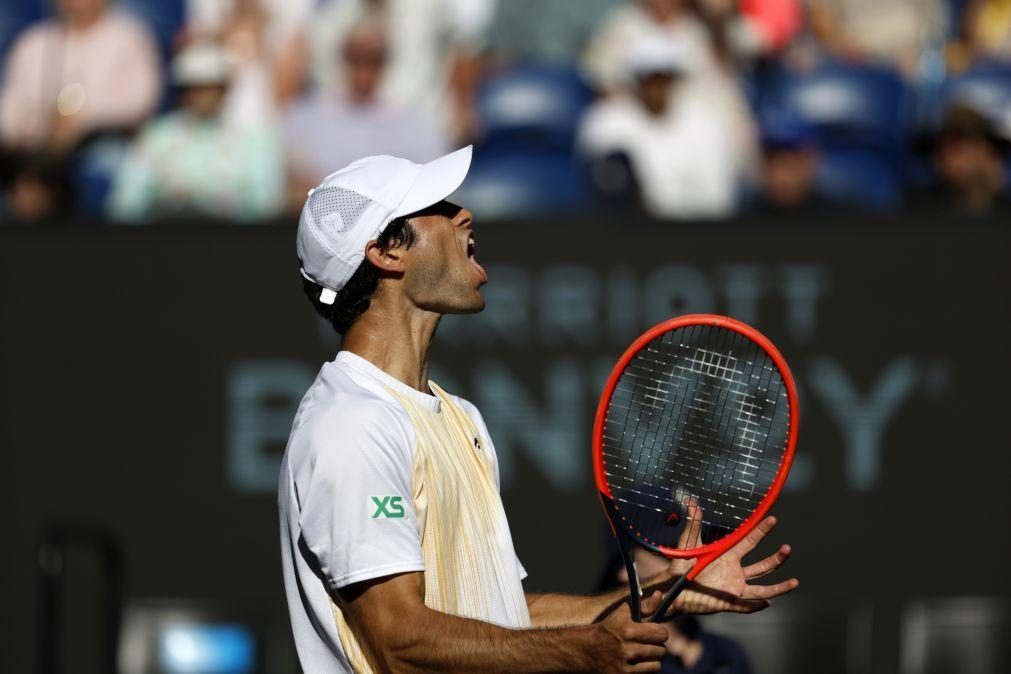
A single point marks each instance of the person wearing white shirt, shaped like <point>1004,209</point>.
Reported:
<point>681,144</point>
<point>90,69</point>
<point>328,128</point>
<point>395,545</point>
<point>432,60</point>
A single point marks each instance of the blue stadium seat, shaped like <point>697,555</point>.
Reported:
<point>847,106</point>
<point>985,86</point>
<point>15,15</point>
<point>861,118</point>
<point>532,106</point>
<point>93,171</point>
<point>860,178</point>
<point>514,184</point>
<point>165,18</point>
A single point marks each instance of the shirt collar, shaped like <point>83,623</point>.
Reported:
<point>359,364</point>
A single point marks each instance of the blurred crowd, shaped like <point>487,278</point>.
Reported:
<point>141,110</point>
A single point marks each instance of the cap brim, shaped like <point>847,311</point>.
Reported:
<point>671,69</point>
<point>437,180</point>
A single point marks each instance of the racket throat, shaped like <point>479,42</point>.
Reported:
<point>668,599</point>
<point>634,588</point>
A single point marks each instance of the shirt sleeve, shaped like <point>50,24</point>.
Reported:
<point>355,495</point>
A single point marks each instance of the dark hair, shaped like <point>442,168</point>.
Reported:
<point>688,625</point>
<point>964,122</point>
<point>353,299</point>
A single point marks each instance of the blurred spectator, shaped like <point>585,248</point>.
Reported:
<point>329,130</point>
<point>707,76</point>
<point>191,161</point>
<point>88,70</point>
<point>534,31</point>
<point>768,26</point>
<point>637,20</point>
<point>986,25</point>
<point>266,41</point>
<point>716,33</point>
<point>690,649</point>
<point>789,167</point>
<point>898,33</point>
<point>35,187</point>
<point>676,140</point>
<point>970,158</point>
<point>741,31</point>
<point>433,48</point>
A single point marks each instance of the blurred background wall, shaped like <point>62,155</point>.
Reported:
<point>833,171</point>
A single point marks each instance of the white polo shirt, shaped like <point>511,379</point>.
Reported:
<point>363,494</point>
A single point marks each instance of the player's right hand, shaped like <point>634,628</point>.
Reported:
<point>626,646</point>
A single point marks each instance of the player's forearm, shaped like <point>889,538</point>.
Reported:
<point>556,610</point>
<point>438,641</point>
<point>561,610</point>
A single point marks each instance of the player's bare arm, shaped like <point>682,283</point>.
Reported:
<point>403,635</point>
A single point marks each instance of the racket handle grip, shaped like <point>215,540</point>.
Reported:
<point>668,599</point>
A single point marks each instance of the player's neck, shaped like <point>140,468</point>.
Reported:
<point>396,339</point>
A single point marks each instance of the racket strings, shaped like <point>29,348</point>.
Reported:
<point>699,417</point>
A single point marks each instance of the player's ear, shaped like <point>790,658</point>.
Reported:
<point>388,261</point>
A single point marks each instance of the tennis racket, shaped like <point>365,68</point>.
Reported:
<point>692,442</point>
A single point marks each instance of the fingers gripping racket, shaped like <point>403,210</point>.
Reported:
<point>692,442</point>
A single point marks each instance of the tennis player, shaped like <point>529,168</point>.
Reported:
<point>396,549</point>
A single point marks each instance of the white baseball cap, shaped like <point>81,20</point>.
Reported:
<point>354,205</point>
<point>657,53</point>
<point>202,63</point>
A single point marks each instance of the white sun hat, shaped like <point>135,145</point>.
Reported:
<point>201,64</point>
<point>354,205</point>
<point>657,52</point>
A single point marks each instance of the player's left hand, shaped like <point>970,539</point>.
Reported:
<point>726,584</point>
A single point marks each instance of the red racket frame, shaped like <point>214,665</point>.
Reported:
<point>705,554</point>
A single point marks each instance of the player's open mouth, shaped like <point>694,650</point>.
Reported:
<point>471,249</point>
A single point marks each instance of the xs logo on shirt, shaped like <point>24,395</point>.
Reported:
<point>389,507</point>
